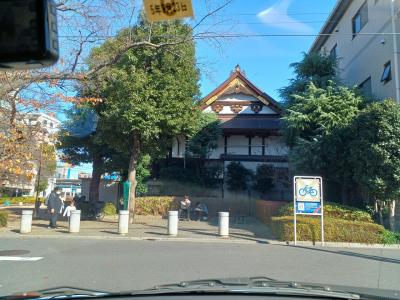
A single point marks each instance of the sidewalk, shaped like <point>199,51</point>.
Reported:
<point>154,228</point>
<point>144,227</point>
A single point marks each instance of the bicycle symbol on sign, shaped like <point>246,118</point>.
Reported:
<point>308,190</point>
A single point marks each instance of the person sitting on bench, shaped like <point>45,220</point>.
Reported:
<point>201,211</point>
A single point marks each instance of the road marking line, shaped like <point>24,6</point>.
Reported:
<point>19,258</point>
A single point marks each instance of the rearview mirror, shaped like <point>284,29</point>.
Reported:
<point>28,34</point>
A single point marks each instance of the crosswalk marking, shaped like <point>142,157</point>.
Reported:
<point>19,258</point>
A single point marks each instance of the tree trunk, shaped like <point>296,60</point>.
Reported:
<point>380,212</point>
<point>96,177</point>
<point>135,152</point>
<point>392,220</point>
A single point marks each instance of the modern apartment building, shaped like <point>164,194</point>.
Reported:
<point>365,37</point>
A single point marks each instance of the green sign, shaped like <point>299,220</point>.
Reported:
<point>126,194</point>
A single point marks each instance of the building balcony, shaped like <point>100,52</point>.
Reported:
<point>255,158</point>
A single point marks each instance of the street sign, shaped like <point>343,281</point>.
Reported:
<point>165,10</point>
<point>308,199</point>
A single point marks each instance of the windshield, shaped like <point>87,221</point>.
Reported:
<point>185,140</point>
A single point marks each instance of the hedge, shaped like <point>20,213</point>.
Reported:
<point>334,210</point>
<point>109,209</point>
<point>154,205</point>
<point>16,200</point>
<point>390,237</point>
<point>3,218</point>
<point>335,230</point>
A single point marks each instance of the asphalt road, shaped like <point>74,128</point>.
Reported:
<point>115,265</point>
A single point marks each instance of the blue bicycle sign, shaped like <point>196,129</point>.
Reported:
<point>308,190</point>
<point>308,199</point>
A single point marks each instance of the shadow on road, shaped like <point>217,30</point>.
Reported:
<point>109,231</point>
<point>157,233</point>
<point>354,254</point>
<point>208,232</point>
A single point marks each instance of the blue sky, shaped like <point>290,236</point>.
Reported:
<point>265,60</point>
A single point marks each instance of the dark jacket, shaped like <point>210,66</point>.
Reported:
<point>54,202</point>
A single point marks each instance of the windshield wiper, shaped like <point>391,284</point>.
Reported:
<point>59,293</point>
<point>254,285</point>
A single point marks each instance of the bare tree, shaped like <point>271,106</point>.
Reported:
<point>83,24</point>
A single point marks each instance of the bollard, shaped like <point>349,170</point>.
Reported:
<point>223,224</point>
<point>75,221</point>
<point>173,223</point>
<point>123,222</point>
<point>26,221</point>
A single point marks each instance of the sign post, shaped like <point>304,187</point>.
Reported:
<point>308,200</point>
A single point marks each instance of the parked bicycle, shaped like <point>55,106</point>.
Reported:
<point>90,211</point>
<point>308,190</point>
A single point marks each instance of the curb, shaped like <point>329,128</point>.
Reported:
<point>224,240</point>
<point>133,238</point>
<point>343,245</point>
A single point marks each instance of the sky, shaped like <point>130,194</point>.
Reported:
<point>265,60</point>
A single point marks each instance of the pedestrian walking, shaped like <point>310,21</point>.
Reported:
<point>54,206</point>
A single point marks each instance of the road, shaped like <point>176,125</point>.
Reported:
<point>114,265</point>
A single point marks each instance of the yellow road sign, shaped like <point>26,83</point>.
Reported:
<point>164,10</point>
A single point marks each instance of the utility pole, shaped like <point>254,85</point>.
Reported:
<point>37,203</point>
<point>395,51</point>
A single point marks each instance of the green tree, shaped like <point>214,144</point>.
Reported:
<point>204,139</point>
<point>315,128</point>
<point>81,140</point>
<point>149,93</point>
<point>238,177</point>
<point>319,111</point>
<point>374,152</point>
<point>314,68</point>
<point>264,178</point>
<point>142,174</point>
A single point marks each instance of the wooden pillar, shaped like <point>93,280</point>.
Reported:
<point>250,137</point>
<point>263,146</point>
<point>225,144</point>
<point>179,146</point>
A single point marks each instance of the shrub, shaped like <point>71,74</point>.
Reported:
<point>177,188</point>
<point>177,173</point>
<point>210,176</point>
<point>390,237</point>
<point>238,176</point>
<point>335,230</point>
<point>16,200</point>
<point>333,210</point>
<point>264,178</point>
<point>109,209</point>
<point>197,174</point>
<point>154,205</point>
<point>3,218</point>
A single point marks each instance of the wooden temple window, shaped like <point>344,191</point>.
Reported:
<point>217,108</point>
<point>256,107</point>
<point>236,108</point>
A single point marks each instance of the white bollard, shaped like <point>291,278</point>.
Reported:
<point>75,221</point>
<point>123,222</point>
<point>26,221</point>
<point>173,223</point>
<point>223,223</point>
